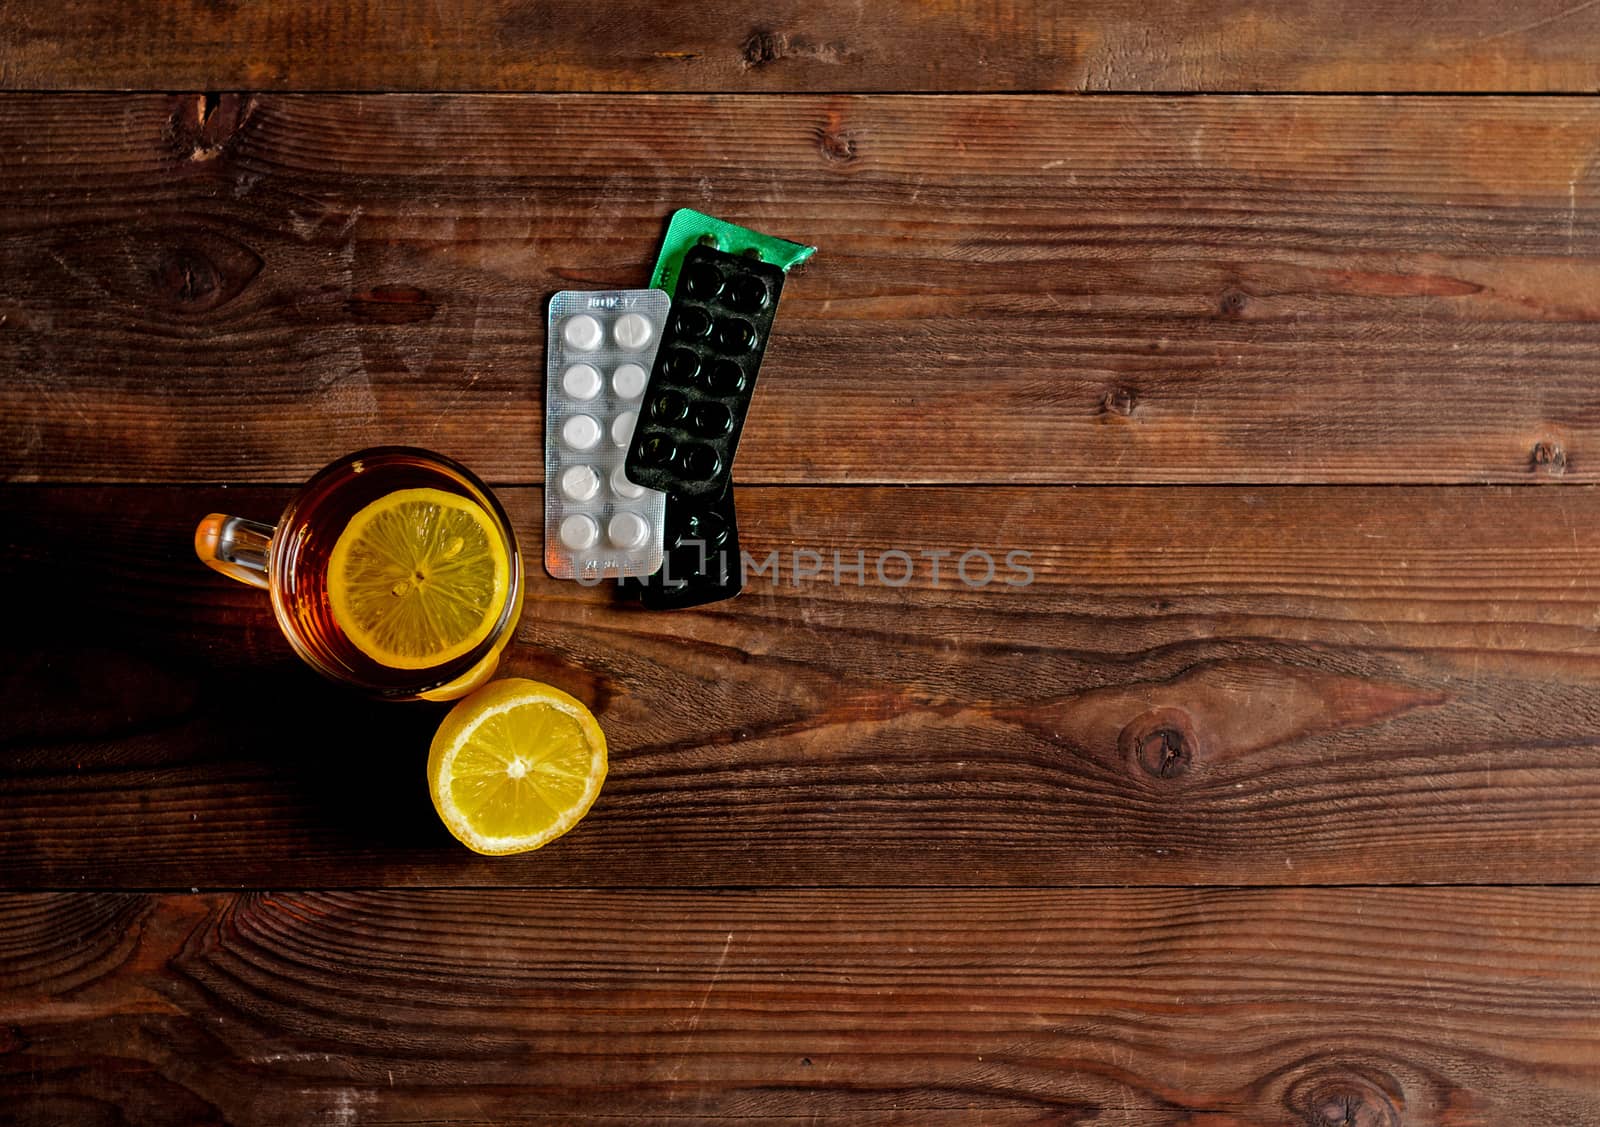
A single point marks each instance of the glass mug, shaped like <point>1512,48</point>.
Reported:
<point>291,562</point>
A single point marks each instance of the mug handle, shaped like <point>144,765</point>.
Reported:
<point>234,546</point>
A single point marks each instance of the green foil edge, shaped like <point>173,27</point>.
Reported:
<point>688,227</point>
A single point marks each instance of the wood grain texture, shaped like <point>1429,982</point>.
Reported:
<point>1308,1008</point>
<point>1220,685</point>
<point>1009,289</point>
<point>789,45</point>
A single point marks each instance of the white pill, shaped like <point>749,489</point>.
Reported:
<point>579,532</point>
<point>580,483</point>
<point>583,332</point>
<point>580,432</point>
<point>581,381</point>
<point>627,530</point>
<point>622,487</point>
<point>633,331</point>
<point>622,427</point>
<point>628,380</point>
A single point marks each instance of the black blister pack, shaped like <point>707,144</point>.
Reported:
<point>701,563</point>
<point>704,374</point>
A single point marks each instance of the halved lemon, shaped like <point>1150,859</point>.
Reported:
<point>515,765</point>
<point>418,578</point>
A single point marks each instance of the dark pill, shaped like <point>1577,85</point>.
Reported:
<point>747,295</point>
<point>669,407</point>
<point>725,377</point>
<point>681,365</point>
<point>735,335</point>
<point>702,281</point>
<point>692,323</point>
<point>700,462</point>
<point>707,528</point>
<point>712,420</point>
<point>657,449</point>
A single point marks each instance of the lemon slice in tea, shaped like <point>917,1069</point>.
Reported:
<point>515,765</point>
<point>418,578</point>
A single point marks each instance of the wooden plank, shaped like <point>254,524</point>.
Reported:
<point>787,45</point>
<point>1010,290</point>
<point>1287,1007</point>
<point>1222,685</point>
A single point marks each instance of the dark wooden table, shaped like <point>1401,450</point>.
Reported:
<point>1274,798</point>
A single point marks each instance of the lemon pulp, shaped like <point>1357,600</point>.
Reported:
<point>515,765</point>
<point>418,578</point>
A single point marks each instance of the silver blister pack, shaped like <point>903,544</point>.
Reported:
<point>599,351</point>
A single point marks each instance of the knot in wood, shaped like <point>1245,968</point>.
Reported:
<point>1343,1100</point>
<point>187,271</point>
<point>760,48</point>
<point>835,146</point>
<point>1120,400</point>
<point>1160,743</point>
<point>1233,302</point>
<point>202,125</point>
<point>1549,456</point>
<point>186,277</point>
